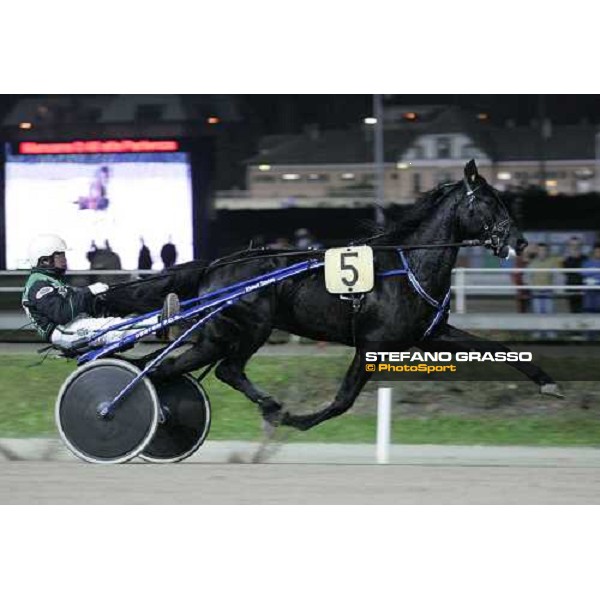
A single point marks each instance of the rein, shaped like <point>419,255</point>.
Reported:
<point>265,253</point>
<point>270,253</point>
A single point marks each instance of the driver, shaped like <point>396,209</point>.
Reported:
<point>66,315</point>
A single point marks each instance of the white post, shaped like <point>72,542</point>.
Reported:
<point>459,283</point>
<point>384,421</point>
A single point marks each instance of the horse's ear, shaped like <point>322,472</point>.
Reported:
<point>471,173</point>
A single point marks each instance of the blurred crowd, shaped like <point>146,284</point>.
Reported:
<point>540,298</point>
<point>303,239</point>
<point>105,258</point>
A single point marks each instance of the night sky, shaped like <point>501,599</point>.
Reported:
<point>291,113</point>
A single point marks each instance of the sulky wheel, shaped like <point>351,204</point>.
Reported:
<point>185,424</point>
<point>114,439</point>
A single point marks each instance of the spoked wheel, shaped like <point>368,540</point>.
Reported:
<point>186,420</point>
<point>114,439</point>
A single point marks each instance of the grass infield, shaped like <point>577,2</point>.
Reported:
<point>469,413</point>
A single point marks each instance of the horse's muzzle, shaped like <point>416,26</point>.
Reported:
<point>506,252</point>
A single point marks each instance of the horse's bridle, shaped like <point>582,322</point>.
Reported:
<point>495,237</point>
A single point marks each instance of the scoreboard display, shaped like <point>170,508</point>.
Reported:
<point>121,195</point>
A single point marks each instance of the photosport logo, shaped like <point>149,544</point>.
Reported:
<point>426,365</point>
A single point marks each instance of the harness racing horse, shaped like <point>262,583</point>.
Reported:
<point>400,311</point>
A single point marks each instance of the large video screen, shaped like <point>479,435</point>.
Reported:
<point>102,205</point>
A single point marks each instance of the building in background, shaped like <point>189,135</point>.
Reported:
<point>424,146</point>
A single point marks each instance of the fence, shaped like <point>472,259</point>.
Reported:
<point>470,287</point>
<point>460,286</point>
<point>498,284</point>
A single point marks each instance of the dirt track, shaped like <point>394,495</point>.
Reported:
<point>441,477</point>
<point>33,482</point>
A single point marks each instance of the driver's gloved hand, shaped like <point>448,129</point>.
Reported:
<point>97,288</point>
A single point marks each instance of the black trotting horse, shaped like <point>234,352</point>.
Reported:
<point>394,312</point>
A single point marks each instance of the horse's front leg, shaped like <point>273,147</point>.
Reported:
<point>459,340</point>
<point>355,379</point>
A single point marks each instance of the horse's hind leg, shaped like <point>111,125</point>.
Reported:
<point>196,357</point>
<point>355,379</point>
<point>214,342</point>
<point>231,371</point>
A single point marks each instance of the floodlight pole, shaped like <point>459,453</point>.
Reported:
<point>379,158</point>
<point>597,148</point>
<point>542,142</point>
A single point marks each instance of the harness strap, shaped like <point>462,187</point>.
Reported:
<point>441,307</point>
<point>357,300</point>
<point>392,272</point>
<point>356,305</point>
<point>440,313</point>
<point>415,283</point>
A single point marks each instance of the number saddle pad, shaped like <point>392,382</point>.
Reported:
<point>349,270</point>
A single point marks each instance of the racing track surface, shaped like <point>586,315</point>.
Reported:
<point>309,474</point>
<point>432,475</point>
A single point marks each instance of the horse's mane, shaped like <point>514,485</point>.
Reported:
<point>412,216</point>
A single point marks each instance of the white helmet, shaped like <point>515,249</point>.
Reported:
<point>45,245</point>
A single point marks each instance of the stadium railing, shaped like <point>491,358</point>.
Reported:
<point>490,294</point>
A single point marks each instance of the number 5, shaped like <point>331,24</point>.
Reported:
<point>344,266</point>
<point>349,270</point>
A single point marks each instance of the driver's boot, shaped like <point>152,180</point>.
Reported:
<point>171,307</point>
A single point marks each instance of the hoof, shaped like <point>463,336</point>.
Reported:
<point>271,416</point>
<point>268,428</point>
<point>297,422</point>
<point>268,405</point>
<point>551,389</point>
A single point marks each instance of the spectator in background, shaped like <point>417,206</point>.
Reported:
<point>523,295</point>
<point>91,254</point>
<point>574,260</point>
<point>104,259</point>
<point>280,243</point>
<point>144,257</point>
<point>591,298</point>
<point>112,258</point>
<point>542,300</point>
<point>303,239</point>
<point>257,241</point>
<point>168,254</point>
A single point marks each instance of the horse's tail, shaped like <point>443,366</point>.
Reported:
<point>145,295</point>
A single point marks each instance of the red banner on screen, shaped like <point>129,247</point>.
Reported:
<point>98,147</point>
